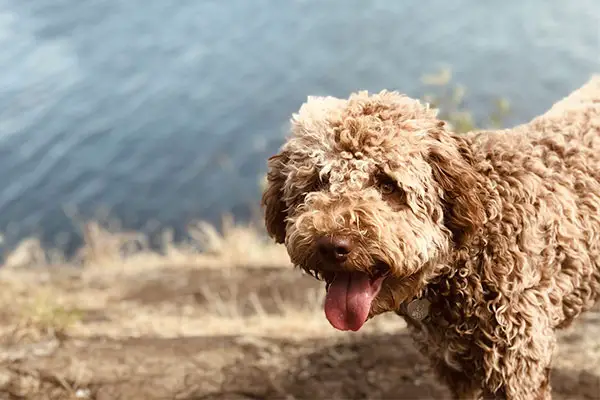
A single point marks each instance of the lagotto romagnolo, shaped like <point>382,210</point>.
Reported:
<point>485,242</point>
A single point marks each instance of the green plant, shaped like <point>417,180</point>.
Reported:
<point>46,316</point>
<point>450,100</point>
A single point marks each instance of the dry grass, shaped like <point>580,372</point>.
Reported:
<point>107,247</point>
<point>50,295</point>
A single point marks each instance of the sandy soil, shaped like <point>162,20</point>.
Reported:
<point>218,333</point>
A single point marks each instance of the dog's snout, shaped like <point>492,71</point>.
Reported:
<point>334,248</point>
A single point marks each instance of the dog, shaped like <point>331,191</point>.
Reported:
<point>485,242</point>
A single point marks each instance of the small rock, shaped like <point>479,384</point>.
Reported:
<point>83,393</point>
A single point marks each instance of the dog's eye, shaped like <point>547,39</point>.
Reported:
<point>387,187</point>
<point>391,190</point>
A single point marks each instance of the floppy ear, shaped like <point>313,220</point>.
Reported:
<point>451,160</point>
<point>272,198</point>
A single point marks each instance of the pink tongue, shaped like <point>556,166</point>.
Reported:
<point>349,299</point>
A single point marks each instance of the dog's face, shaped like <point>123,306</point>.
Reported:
<point>370,194</point>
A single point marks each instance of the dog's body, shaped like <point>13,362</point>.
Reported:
<point>498,231</point>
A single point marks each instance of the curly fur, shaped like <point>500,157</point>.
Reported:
<point>499,230</point>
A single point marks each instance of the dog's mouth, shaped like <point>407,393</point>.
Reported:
<point>350,295</point>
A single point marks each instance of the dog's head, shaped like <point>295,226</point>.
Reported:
<point>370,194</point>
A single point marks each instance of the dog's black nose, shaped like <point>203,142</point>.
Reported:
<point>334,248</point>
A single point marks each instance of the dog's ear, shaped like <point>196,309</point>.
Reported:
<point>272,198</point>
<point>451,160</point>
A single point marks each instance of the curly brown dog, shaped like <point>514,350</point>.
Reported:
<point>485,242</point>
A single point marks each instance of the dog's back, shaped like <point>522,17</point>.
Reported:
<point>538,254</point>
<point>548,172</point>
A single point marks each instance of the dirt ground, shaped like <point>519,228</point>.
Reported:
<point>218,333</point>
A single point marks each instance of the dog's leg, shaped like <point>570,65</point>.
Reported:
<point>461,385</point>
<point>523,370</point>
<point>518,387</point>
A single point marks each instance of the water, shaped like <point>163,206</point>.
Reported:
<point>165,111</point>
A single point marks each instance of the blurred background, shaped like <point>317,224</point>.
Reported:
<point>157,113</point>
